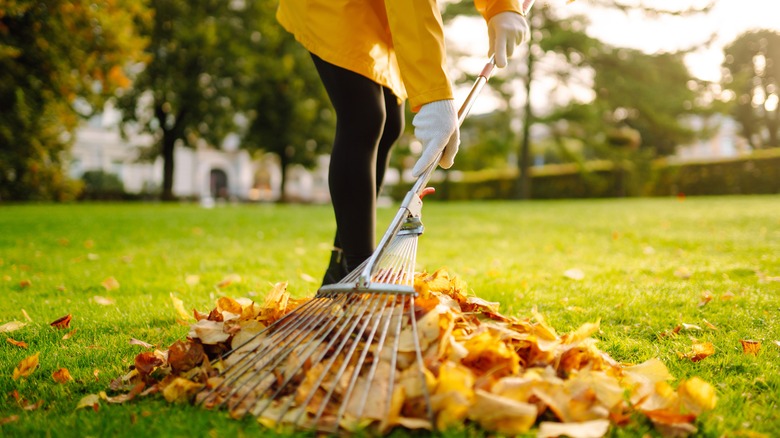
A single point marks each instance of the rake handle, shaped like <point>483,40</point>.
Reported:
<point>412,202</point>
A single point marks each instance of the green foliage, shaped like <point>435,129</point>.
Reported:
<point>646,265</point>
<point>99,184</point>
<point>752,73</point>
<point>59,60</point>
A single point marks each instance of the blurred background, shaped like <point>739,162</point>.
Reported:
<point>211,101</point>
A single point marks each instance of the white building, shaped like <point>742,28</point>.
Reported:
<point>203,172</point>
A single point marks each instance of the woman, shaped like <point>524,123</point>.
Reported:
<point>372,56</point>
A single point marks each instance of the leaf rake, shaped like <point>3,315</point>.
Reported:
<point>350,358</point>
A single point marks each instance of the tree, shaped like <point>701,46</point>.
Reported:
<point>59,61</point>
<point>752,73</point>
<point>289,111</point>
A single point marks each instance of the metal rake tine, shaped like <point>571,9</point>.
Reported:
<point>377,301</point>
<point>356,314</point>
<point>420,363</point>
<point>307,321</point>
<point>385,322</point>
<point>371,301</point>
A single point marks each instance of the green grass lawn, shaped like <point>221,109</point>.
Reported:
<point>645,265</point>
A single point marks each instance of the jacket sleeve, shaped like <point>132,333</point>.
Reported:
<point>489,8</point>
<point>418,39</point>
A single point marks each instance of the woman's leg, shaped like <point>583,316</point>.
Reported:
<point>352,177</point>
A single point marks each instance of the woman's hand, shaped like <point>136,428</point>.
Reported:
<point>506,30</point>
<point>436,126</point>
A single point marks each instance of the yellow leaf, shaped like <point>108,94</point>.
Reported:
<point>699,351</point>
<point>26,367</point>
<point>501,414</point>
<point>228,280</point>
<point>585,429</point>
<point>179,306</point>
<point>89,401</point>
<point>180,390</point>
<point>110,283</point>
<point>20,344</point>
<point>11,326</point>
<point>453,395</point>
<point>697,395</point>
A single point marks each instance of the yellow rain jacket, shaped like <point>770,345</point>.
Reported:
<point>396,43</point>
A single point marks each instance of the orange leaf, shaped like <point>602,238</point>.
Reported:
<point>230,279</point>
<point>699,351</point>
<point>706,297</point>
<point>24,284</point>
<point>750,347</point>
<point>17,343</point>
<point>26,367</point>
<point>110,283</point>
<point>62,375</point>
<point>69,335</point>
<point>9,419</point>
<point>62,323</point>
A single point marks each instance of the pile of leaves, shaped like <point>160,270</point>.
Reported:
<point>504,373</point>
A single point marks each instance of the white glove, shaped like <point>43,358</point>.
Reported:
<point>506,30</point>
<point>436,126</point>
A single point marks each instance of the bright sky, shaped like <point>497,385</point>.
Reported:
<point>727,20</point>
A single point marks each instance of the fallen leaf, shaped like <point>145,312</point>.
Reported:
<point>179,306</point>
<point>33,406</point>
<point>690,326</point>
<point>11,326</point>
<point>180,389</point>
<point>146,362</point>
<point>62,323</point>
<point>308,278</point>
<point>228,280</point>
<point>574,274</point>
<point>110,283</point>
<point>727,296</point>
<point>69,335</point>
<point>89,401</point>
<point>9,419</point>
<point>62,375</point>
<point>209,332</point>
<point>192,280</point>
<point>697,395</point>
<point>134,341</point>
<point>24,284</point>
<point>103,301</point>
<point>17,343</point>
<point>26,366</point>
<point>585,429</point>
<point>710,325</point>
<point>706,297</point>
<point>184,356</point>
<point>776,343</point>
<point>96,373</point>
<point>683,273</point>
<point>750,347</point>
<point>699,351</point>
<point>26,316</point>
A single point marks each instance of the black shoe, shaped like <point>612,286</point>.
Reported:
<point>337,269</point>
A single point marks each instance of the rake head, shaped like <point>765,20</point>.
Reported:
<point>348,359</point>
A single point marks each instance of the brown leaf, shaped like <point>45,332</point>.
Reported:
<point>727,296</point>
<point>17,343</point>
<point>26,367</point>
<point>184,356</point>
<point>96,373</point>
<point>33,406</point>
<point>61,323</point>
<point>146,362</point>
<point>228,280</point>
<point>62,375</point>
<point>750,347</point>
<point>24,284</point>
<point>110,283</point>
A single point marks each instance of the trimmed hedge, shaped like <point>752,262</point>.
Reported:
<point>757,173</point>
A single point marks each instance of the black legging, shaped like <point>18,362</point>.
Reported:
<point>369,120</point>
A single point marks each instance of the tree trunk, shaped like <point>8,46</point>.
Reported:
<point>168,141</point>
<point>523,186</point>
<point>284,162</point>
